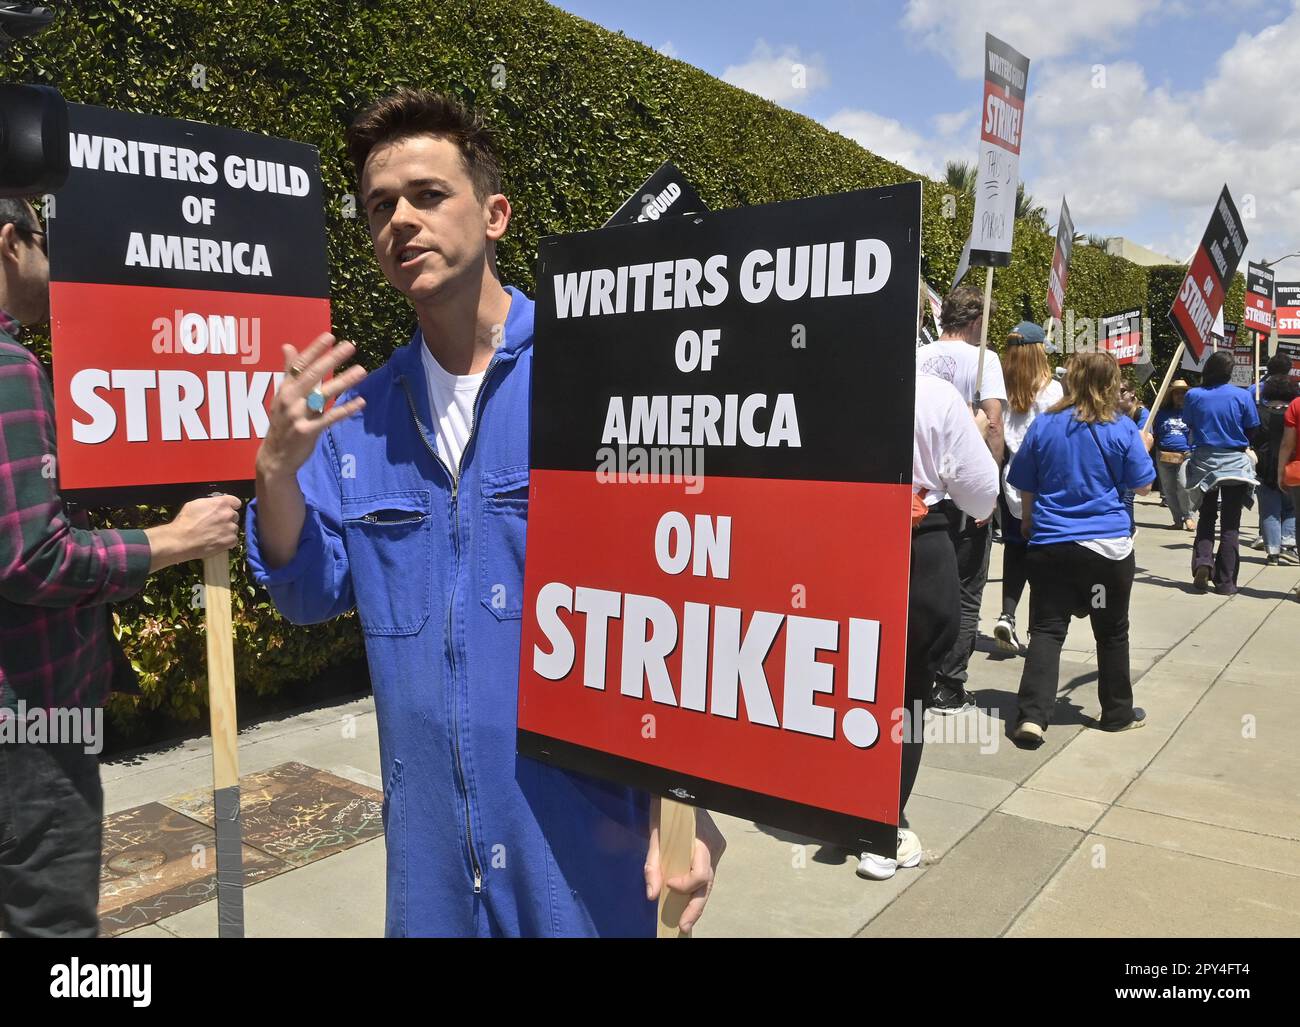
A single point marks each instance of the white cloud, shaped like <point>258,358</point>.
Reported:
<point>955,29</point>
<point>1132,154</point>
<point>668,49</point>
<point>781,77</point>
<point>887,138</point>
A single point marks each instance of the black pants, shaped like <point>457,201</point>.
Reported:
<point>1064,578</point>
<point>51,805</point>
<point>1015,566</point>
<point>1225,503</point>
<point>933,620</point>
<point>972,546</point>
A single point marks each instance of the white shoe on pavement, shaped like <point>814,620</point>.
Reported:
<point>881,868</point>
<point>1004,633</point>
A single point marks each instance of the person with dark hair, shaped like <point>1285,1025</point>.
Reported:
<point>955,359</point>
<point>1072,470</point>
<point>1276,512</point>
<point>57,650</point>
<point>1222,418</point>
<point>1173,447</point>
<point>422,532</point>
<point>1031,389</point>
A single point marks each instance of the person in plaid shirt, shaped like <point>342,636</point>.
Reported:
<point>56,577</point>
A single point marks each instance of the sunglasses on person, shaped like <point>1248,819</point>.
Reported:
<point>40,235</point>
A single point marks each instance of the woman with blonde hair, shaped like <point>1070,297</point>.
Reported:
<point>1031,389</point>
<point>1072,470</point>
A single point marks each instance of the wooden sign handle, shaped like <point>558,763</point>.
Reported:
<point>984,336</point>
<point>676,841</point>
<point>225,752</point>
<point>1164,385</point>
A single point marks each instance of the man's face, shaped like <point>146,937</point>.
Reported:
<point>429,230</point>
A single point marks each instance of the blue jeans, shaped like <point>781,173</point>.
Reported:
<point>1276,519</point>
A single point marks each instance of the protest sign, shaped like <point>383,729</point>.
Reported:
<point>1002,122</point>
<point>1060,272</point>
<point>1200,297</point>
<point>1121,336</point>
<point>1288,310</point>
<point>665,192</point>
<point>1287,315</point>
<point>701,616</point>
<point>181,256</point>
<point>1258,314</point>
<point>1243,354</point>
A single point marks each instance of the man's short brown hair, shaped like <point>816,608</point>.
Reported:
<point>962,308</point>
<point>411,112</point>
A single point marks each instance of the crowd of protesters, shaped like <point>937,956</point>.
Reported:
<point>1065,454</point>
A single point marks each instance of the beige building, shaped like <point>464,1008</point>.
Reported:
<point>1118,246</point>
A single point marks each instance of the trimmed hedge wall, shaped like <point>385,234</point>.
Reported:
<point>582,115</point>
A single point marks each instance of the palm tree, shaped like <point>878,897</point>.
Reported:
<point>960,175</point>
<point>963,176</point>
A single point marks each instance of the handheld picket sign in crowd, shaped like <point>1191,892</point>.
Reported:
<point>181,256</point>
<point>1288,323</point>
<point>1199,301</point>
<point>1002,123</point>
<point>1059,275</point>
<point>701,390</point>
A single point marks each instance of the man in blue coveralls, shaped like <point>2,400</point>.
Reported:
<point>408,500</point>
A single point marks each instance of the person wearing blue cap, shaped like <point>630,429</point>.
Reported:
<point>1031,389</point>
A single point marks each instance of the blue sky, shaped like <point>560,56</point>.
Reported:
<point>1138,111</point>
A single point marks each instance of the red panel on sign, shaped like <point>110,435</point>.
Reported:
<point>1199,298</point>
<point>137,407</point>
<point>808,577</point>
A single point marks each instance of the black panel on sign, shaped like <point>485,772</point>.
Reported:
<point>97,211</point>
<point>847,361</point>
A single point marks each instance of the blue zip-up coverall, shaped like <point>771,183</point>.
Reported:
<point>480,841</point>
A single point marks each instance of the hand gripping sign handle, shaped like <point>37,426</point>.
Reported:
<point>676,841</point>
<point>225,754</point>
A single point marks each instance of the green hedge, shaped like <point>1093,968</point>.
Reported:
<point>583,115</point>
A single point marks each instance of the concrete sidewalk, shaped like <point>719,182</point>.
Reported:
<point>1188,827</point>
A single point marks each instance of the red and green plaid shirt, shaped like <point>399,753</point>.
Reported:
<point>55,573</point>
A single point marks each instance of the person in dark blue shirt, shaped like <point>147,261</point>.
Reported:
<point>1222,418</point>
<point>1072,471</point>
<point>1173,446</point>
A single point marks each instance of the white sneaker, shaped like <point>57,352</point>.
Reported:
<point>1004,633</point>
<point>881,868</point>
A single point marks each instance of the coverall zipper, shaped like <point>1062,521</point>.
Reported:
<point>451,603</point>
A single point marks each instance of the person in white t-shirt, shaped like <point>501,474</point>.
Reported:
<point>955,358</point>
<point>1031,389</point>
<point>954,472</point>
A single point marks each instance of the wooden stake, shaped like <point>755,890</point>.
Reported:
<point>984,335</point>
<point>1257,335</point>
<point>225,752</point>
<point>676,841</point>
<point>1164,386</point>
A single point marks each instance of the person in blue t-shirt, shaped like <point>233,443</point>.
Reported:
<point>1173,446</point>
<point>1072,471</point>
<point>1222,418</point>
